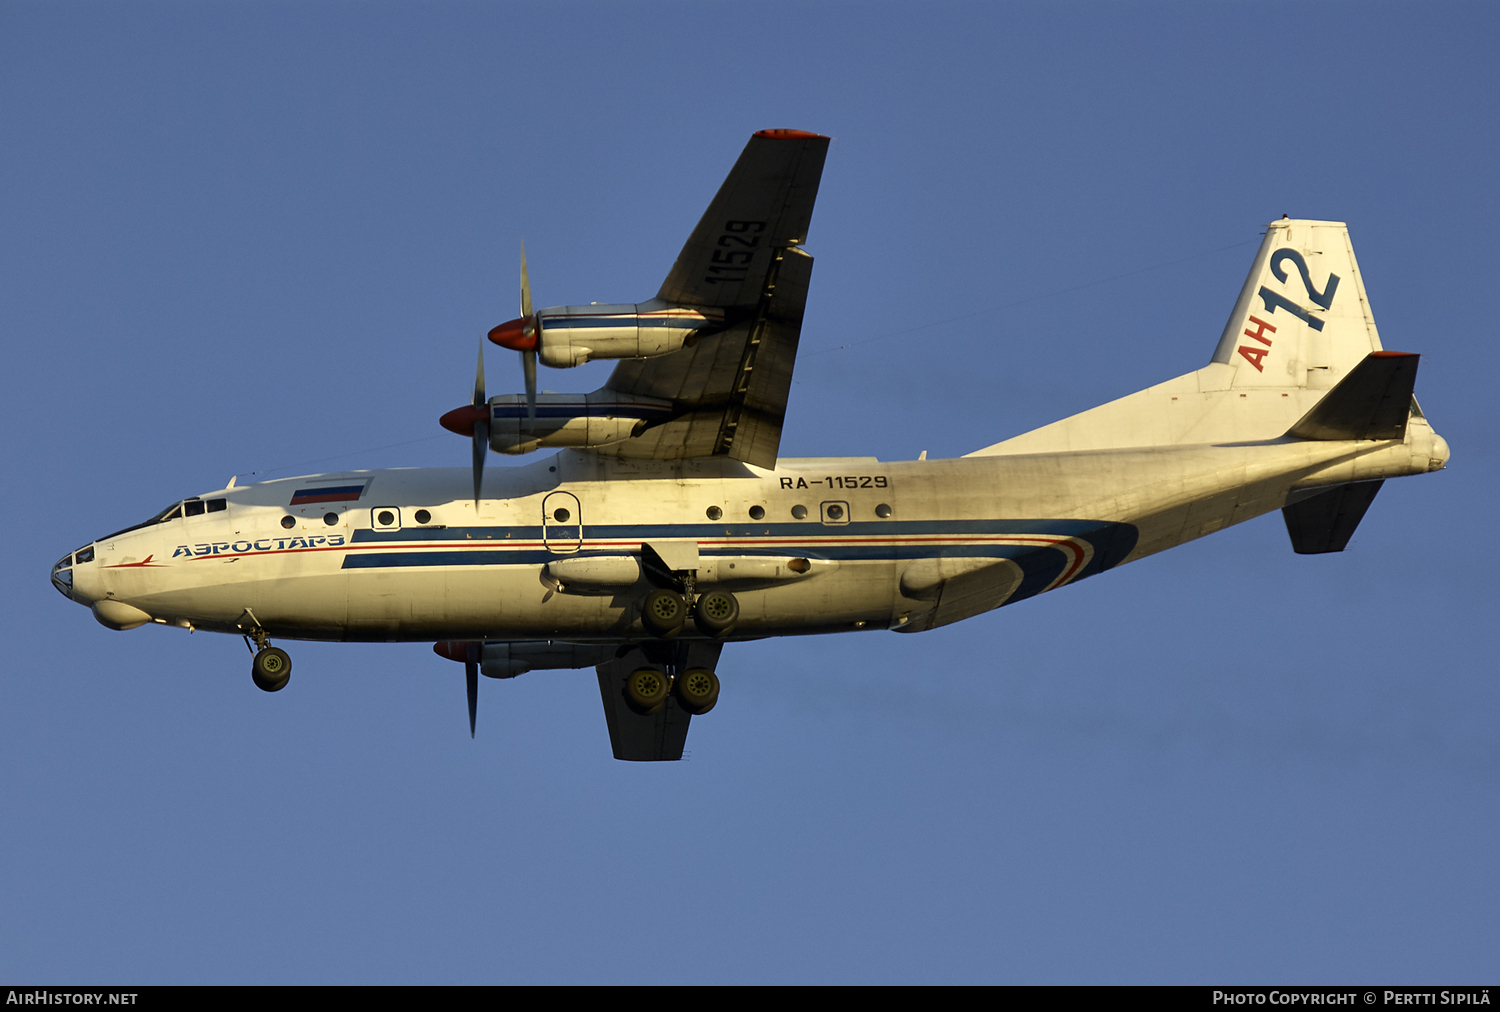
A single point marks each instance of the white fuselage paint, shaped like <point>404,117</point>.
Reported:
<point>962,536</point>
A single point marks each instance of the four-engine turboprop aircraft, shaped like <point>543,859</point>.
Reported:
<point>667,525</point>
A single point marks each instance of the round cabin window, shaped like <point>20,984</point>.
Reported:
<point>714,513</point>
<point>835,512</point>
<point>882,511</point>
<point>423,517</point>
<point>799,512</point>
<point>386,518</point>
<point>289,522</point>
<point>561,515</point>
<point>330,518</point>
<point>757,512</point>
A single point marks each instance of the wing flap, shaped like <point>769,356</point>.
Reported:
<point>731,388</point>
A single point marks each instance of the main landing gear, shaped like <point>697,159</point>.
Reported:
<point>665,612</point>
<point>647,689</point>
<point>272,667</point>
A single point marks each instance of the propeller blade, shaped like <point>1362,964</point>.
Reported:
<point>525,284</point>
<point>479,398</point>
<point>481,445</point>
<point>481,428</point>
<point>528,363</point>
<point>471,676</point>
<point>528,358</point>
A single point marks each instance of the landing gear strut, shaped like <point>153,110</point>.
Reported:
<point>272,667</point>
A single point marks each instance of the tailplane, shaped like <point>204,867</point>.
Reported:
<point>1373,402</point>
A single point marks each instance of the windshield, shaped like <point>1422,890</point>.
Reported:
<point>192,507</point>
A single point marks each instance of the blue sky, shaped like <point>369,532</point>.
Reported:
<point>263,238</point>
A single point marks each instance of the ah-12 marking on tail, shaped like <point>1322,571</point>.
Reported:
<point>667,524</point>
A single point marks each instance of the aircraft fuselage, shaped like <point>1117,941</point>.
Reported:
<point>553,550</point>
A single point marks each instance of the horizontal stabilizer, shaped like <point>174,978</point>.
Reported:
<point>1372,402</point>
<point>1325,522</point>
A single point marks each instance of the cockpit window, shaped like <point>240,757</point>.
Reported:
<point>188,507</point>
<point>85,555</point>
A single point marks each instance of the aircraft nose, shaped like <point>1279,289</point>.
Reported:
<point>74,576</point>
<point>62,576</point>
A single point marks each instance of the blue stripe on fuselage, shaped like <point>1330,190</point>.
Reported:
<point>873,541</point>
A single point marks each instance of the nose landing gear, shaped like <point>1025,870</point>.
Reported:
<point>272,667</point>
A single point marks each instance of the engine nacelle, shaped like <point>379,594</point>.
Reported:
<point>507,660</point>
<point>595,419</point>
<point>565,336</point>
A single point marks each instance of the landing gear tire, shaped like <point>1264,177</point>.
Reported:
<point>272,669</point>
<point>663,613</point>
<point>716,613</point>
<point>697,690</point>
<point>646,690</point>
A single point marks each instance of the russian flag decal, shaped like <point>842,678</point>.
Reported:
<point>328,493</point>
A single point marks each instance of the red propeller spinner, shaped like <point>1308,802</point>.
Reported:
<point>517,335</point>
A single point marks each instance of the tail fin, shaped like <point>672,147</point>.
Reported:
<point>1302,324</point>
<point>1302,319</point>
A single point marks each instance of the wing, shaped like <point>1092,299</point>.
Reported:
<point>730,389</point>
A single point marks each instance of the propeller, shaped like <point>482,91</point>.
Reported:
<point>471,678</point>
<point>521,335</point>
<point>469,654</point>
<point>481,415</point>
<point>473,420</point>
<point>528,357</point>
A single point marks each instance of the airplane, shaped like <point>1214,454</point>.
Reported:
<point>667,525</point>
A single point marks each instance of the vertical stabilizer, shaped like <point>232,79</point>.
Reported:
<point>1303,319</point>
<point>1302,324</point>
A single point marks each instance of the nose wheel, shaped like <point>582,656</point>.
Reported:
<point>272,667</point>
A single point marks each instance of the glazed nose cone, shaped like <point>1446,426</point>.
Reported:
<point>62,576</point>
